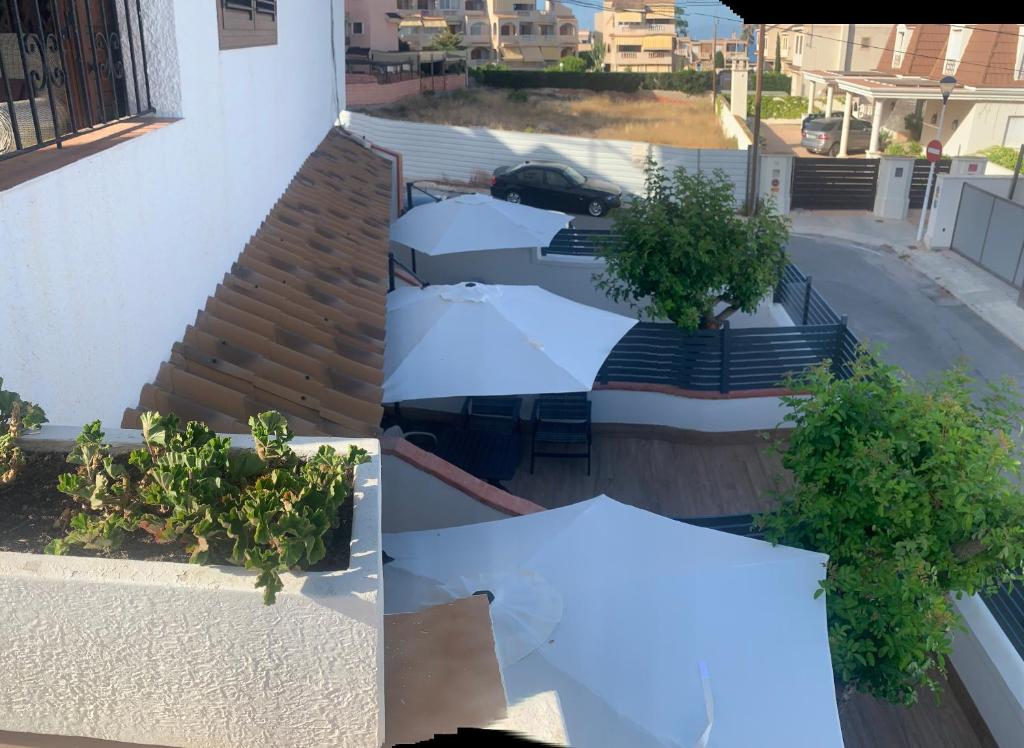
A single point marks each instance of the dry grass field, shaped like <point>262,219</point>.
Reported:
<point>683,122</point>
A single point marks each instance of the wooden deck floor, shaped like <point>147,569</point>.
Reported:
<point>722,475</point>
<point>678,478</point>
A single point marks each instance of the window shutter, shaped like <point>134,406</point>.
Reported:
<point>247,23</point>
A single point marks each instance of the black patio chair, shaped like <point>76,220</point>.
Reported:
<point>499,414</point>
<point>561,420</point>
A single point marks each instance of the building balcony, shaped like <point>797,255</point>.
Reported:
<point>644,29</point>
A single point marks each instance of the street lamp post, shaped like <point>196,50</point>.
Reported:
<point>946,86</point>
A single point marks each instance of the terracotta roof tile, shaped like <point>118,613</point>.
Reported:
<point>297,325</point>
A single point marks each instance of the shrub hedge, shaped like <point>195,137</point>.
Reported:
<point>769,81</point>
<point>1002,155</point>
<point>687,81</point>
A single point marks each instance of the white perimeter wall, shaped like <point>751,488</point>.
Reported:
<point>416,500</point>
<point>105,261</point>
<point>947,199</point>
<point>992,671</point>
<point>465,154</point>
<point>568,276</point>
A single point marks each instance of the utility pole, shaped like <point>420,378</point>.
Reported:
<point>752,193</point>
<point>714,68</point>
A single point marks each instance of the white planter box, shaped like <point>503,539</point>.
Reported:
<point>186,655</point>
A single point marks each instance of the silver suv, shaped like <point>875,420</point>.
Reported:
<point>823,135</point>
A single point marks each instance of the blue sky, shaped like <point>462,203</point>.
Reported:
<point>700,25</point>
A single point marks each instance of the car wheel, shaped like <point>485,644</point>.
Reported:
<point>834,150</point>
<point>513,197</point>
<point>596,208</point>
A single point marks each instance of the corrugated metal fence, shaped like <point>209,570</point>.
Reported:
<point>467,154</point>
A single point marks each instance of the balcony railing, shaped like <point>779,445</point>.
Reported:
<point>68,66</point>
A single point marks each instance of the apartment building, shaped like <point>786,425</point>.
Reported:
<point>372,24</point>
<point>638,36</point>
<point>841,47</point>
<point>699,54</point>
<point>516,33</point>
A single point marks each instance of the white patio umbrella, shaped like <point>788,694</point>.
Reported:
<point>473,222</point>
<point>475,339</point>
<point>653,632</point>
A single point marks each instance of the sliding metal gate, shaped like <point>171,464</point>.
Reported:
<point>834,183</point>
<point>919,179</point>
<point>989,231</point>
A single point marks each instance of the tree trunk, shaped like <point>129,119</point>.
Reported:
<point>844,692</point>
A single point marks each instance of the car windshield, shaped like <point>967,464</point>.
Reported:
<point>573,176</point>
<point>817,124</point>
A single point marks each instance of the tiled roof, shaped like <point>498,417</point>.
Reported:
<point>987,60</point>
<point>297,324</point>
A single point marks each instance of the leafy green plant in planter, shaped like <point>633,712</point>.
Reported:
<point>267,510</point>
<point>1002,155</point>
<point>911,148</point>
<point>913,491</point>
<point>16,417</point>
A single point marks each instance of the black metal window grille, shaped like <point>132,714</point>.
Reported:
<point>68,66</point>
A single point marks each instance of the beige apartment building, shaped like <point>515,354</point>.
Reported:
<point>516,33</point>
<point>699,54</point>
<point>842,47</point>
<point>638,36</point>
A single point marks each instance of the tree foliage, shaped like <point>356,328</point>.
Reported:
<point>568,64</point>
<point>911,489</point>
<point>598,50</point>
<point>265,509</point>
<point>682,250</point>
<point>446,40</point>
<point>682,24</point>
<point>719,59</point>
<point>16,417</point>
<point>778,53</point>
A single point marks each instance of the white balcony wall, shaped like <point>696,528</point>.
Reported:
<point>106,260</point>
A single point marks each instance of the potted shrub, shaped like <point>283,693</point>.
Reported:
<point>143,623</point>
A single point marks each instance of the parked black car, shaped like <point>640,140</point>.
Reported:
<point>545,184</point>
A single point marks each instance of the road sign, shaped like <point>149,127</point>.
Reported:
<point>933,152</point>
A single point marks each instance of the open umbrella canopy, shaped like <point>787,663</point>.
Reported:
<point>475,339</point>
<point>653,632</point>
<point>469,223</point>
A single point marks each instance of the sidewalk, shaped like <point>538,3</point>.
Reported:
<point>983,293</point>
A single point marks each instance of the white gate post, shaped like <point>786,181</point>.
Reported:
<point>892,196</point>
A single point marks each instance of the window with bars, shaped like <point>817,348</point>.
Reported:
<point>247,23</point>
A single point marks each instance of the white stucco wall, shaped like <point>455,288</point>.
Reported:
<point>568,276</point>
<point>416,500</point>
<point>991,670</point>
<point>185,655</point>
<point>108,259</point>
<point>981,125</point>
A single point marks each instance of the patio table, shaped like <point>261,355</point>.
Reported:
<point>489,455</point>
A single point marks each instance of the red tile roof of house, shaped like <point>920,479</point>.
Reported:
<point>987,60</point>
<point>297,324</point>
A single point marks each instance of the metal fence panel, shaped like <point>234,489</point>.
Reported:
<point>1004,239</point>
<point>989,230</point>
<point>470,154</point>
<point>972,219</point>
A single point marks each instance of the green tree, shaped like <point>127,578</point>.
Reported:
<point>682,250</point>
<point>912,491</point>
<point>778,53</point>
<point>446,40</point>
<point>598,51</point>
<point>568,64</point>
<point>682,25</point>
<point>719,59</point>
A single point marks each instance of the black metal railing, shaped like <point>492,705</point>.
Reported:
<point>738,359</point>
<point>579,242</point>
<point>68,66</point>
<point>396,266</point>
